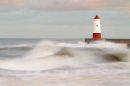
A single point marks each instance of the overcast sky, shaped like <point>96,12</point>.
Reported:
<point>63,18</point>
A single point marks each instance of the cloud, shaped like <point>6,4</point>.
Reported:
<point>11,2</point>
<point>78,4</point>
<point>118,5</point>
<point>126,7</point>
<point>11,5</point>
<point>67,4</point>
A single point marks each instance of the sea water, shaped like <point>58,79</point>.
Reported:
<point>60,62</point>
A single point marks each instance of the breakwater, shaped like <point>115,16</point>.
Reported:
<point>127,41</point>
<point>112,40</point>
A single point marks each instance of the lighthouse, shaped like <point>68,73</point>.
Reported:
<point>97,28</point>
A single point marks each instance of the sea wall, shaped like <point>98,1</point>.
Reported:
<point>126,41</point>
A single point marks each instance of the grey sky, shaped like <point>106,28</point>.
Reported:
<point>63,18</point>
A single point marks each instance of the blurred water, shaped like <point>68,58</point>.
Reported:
<point>103,74</point>
<point>13,48</point>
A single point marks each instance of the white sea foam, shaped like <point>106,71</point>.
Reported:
<point>107,44</point>
<point>42,49</point>
<point>50,55</point>
<point>17,46</point>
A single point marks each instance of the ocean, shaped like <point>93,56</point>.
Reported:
<point>61,62</point>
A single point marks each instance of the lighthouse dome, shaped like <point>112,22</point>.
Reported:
<point>96,17</point>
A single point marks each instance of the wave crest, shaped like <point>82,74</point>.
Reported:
<point>50,55</point>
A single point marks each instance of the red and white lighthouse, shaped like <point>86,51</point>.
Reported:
<point>97,28</point>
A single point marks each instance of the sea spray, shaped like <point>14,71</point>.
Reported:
<point>108,45</point>
<point>42,49</point>
<point>50,55</point>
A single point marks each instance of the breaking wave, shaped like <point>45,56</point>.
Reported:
<point>17,46</point>
<point>51,55</point>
